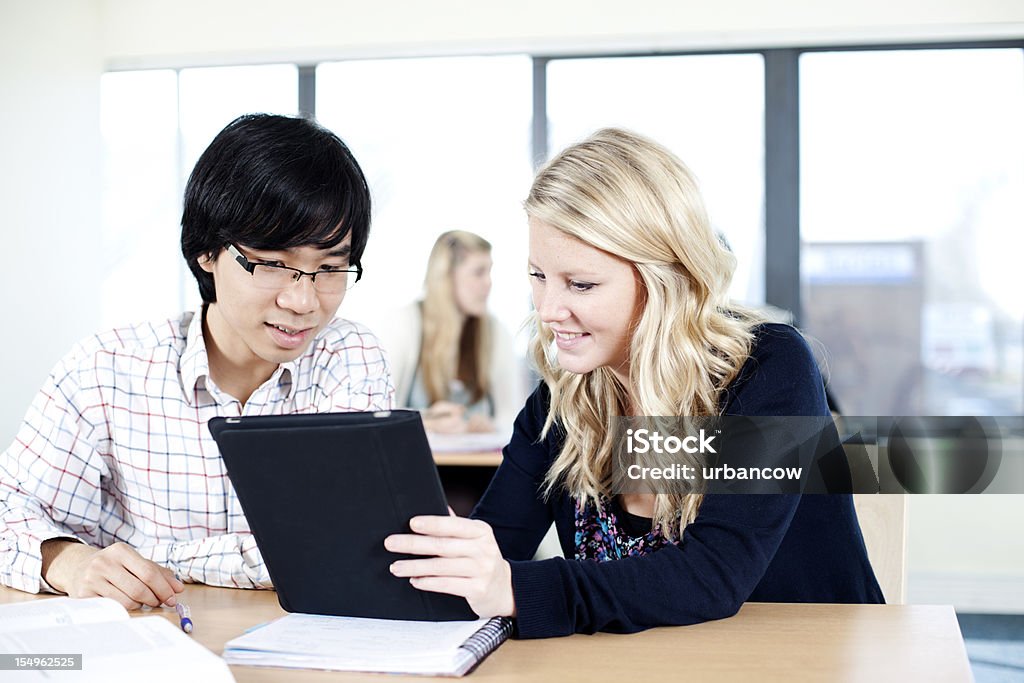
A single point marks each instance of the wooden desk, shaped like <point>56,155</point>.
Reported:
<point>465,476</point>
<point>467,450</point>
<point>470,459</point>
<point>764,642</point>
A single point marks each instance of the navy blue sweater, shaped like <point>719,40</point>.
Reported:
<point>765,548</point>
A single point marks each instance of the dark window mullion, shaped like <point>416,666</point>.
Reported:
<point>539,137</point>
<point>307,91</point>
<point>782,180</point>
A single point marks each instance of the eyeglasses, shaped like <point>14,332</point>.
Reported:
<point>272,276</point>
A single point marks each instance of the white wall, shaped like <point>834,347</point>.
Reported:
<point>967,551</point>
<point>52,54</point>
<point>50,65</point>
<point>153,32</point>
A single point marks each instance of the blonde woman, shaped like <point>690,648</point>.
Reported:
<point>629,286</point>
<point>449,357</point>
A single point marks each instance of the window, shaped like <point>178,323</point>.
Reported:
<point>141,197</point>
<point>910,194</point>
<point>709,110</point>
<point>213,97</point>
<point>912,201</point>
<point>445,144</point>
<point>155,126</point>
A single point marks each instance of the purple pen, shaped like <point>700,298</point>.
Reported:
<point>185,614</point>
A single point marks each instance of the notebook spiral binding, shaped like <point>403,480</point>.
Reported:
<point>491,635</point>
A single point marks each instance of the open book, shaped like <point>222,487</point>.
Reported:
<point>308,641</point>
<point>113,646</point>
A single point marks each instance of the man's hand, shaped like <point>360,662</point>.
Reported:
<point>116,572</point>
<point>466,561</point>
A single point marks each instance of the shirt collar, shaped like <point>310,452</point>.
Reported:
<point>195,363</point>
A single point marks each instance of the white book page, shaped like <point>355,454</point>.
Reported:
<point>32,614</point>
<point>306,637</point>
<point>467,442</point>
<point>144,649</point>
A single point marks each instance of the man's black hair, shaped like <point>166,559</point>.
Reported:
<point>273,182</point>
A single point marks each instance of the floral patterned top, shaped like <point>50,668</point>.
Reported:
<point>602,536</point>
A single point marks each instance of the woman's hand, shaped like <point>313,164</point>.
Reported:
<point>445,417</point>
<point>465,561</point>
<point>479,423</point>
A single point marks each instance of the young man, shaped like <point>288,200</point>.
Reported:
<point>113,485</point>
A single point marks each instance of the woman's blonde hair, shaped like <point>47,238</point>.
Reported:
<point>446,328</point>
<point>630,197</point>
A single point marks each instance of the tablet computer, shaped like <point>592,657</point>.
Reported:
<point>321,492</point>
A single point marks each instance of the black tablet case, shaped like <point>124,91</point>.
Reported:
<point>321,492</point>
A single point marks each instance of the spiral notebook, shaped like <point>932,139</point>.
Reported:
<point>312,641</point>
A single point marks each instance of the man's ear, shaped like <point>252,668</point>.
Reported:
<point>206,262</point>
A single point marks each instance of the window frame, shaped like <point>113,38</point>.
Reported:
<point>781,137</point>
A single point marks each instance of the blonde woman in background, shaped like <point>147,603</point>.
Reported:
<point>629,285</point>
<point>449,356</point>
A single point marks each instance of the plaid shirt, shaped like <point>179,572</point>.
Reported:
<point>115,447</point>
